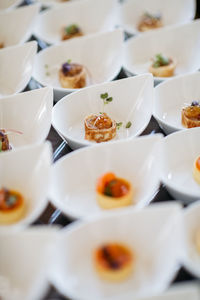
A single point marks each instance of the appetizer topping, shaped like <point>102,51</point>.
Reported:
<point>72,75</point>
<point>112,186</point>
<point>193,112</point>
<point>149,21</point>
<point>106,98</point>
<point>128,124</point>
<point>160,60</point>
<point>72,29</point>
<point>9,199</point>
<point>99,121</point>
<point>191,115</point>
<point>119,125</point>
<point>195,103</point>
<point>113,256</point>
<point>4,142</point>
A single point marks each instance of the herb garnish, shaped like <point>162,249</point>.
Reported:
<point>160,60</point>
<point>119,124</point>
<point>106,98</point>
<point>11,200</point>
<point>128,124</point>
<point>72,29</point>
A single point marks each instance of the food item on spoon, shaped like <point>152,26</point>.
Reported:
<point>72,75</point>
<point>114,261</point>
<point>149,21</point>
<point>4,142</point>
<point>12,206</point>
<point>162,66</point>
<point>113,192</point>
<point>71,31</point>
<point>191,115</point>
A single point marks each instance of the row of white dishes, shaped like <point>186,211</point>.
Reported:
<point>161,236</point>
<point>132,55</point>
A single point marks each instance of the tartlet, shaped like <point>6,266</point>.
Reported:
<point>12,206</point>
<point>113,192</point>
<point>196,170</point>
<point>149,22</point>
<point>71,31</point>
<point>72,76</point>
<point>162,66</point>
<point>190,115</point>
<point>99,128</point>
<point>4,142</point>
<point>113,262</point>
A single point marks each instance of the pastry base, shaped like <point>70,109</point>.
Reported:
<point>71,36</point>
<point>12,216</point>
<point>187,122</point>
<point>114,275</point>
<point>164,71</point>
<point>73,82</point>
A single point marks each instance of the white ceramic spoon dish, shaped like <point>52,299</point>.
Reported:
<point>74,177</point>
<point>132,102</point>
<point>102,63</point>
<point>16,67</point>
<point>179,42</point>
<point>171,97</point>
<point>51,23</point>
<point>133,10</point>
<point>149,233</point>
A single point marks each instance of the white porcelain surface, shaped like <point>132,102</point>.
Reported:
<point>24,263</point>
<point>17,25</point>
<point>28,113</point>
<point>16,67</point>
<point>74,178</point>
<point>92,16</point>
<point>191,257</point>
<point>132,101</point>
<point>155,244</point>
<point>180,42</point>
<point>9,4</point>
<point>27,171</point>
<point>171,96</point>
<point>132,11</point>
<point>179,152</point>
<point>54,3</point>
<point>89,51</point>
<point>181,291</point>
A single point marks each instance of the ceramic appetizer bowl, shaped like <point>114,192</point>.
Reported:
<point>86,51</point>
<point>180,43</point>
<point>138,165</point>
<point>27,117</point>
<point>25,172</point>
<point>155,250</point>
<point>133,10</point>
<point>7,5</point>
<point>24,262</point>
<point>17,25</point>
<point>171,97</point>
<point>51,23</point>
<point>191,231</point>
<point>16,67</point>
<point>131,104</point>
<point>179,152</point>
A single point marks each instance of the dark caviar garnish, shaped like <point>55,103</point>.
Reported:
<point>66,67</point>
<point>195,103</point>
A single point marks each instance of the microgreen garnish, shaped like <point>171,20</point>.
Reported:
<point>119,124</point>
<point>1,146</point>
<point>72,29</point>
<point>106,98</point>
<point>69,61</point>
<point>11,200</point>
<point>128,124</point>
<point>160,60</point>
